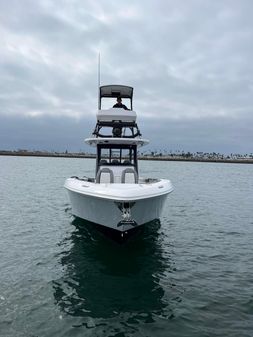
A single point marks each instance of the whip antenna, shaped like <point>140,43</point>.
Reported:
<point>99,102</point>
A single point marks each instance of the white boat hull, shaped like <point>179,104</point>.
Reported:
<point>123,212</point>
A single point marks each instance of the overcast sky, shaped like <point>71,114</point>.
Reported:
<point>190,63</point>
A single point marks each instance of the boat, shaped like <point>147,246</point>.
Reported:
<point>117,197</point>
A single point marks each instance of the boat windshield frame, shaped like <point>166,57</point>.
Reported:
<point>122,127</point>
<point>121,159</point>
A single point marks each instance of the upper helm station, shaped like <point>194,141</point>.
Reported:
<point>121,121</point>
<point>116,134</point>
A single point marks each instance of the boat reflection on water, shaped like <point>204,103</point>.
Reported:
<point>102,279</point>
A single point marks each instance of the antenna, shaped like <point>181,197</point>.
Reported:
<point>99,102</point>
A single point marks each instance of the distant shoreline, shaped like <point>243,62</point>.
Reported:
<point>154,158</point>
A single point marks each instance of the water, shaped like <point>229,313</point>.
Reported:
<point>190,275</point>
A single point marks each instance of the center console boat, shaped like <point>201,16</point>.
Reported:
<point>117,197</point>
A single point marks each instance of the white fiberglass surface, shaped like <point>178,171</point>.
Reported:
<point>124,141</point>
<point>120,191</point>
<point>116,114</point>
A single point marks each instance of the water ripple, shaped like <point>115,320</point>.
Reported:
<point>188,275</point>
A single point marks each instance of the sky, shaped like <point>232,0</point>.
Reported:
<point>189,61</point>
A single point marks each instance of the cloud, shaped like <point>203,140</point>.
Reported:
<point>58,134</point>
<point>189,62</point>
<point>44,133</point>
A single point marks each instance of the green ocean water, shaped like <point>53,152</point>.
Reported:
<point>191,274</point>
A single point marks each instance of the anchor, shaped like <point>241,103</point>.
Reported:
<point>125,208</point>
